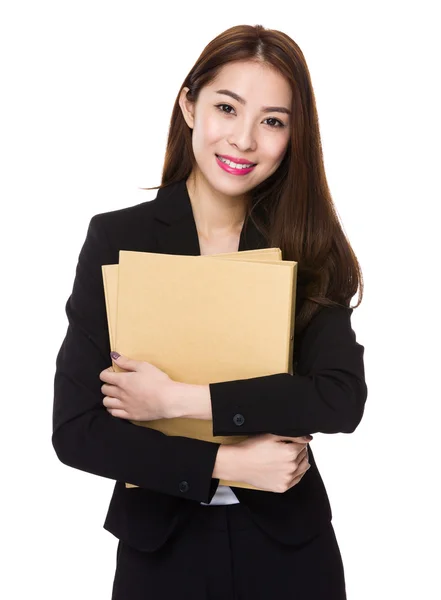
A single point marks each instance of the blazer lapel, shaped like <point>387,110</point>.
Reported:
<point>175,226</point>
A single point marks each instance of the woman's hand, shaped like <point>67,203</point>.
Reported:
<point>271,462</point>
<point>139,394</point>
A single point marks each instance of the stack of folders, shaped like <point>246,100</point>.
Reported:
<point>203,319</point>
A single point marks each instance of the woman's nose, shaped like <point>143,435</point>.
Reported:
<point>243,137</point>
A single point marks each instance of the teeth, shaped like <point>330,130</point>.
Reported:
<point>233,164</point>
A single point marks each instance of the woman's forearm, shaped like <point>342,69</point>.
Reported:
<point>194,402</point>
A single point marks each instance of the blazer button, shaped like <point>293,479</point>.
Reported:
<point>239,419</point>
<point>183,486</point>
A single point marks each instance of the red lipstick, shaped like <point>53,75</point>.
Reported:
<point>235,170</point>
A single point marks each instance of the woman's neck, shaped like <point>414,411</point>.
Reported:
<point>216,216</point>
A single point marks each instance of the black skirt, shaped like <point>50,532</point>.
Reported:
<point>221,554</point>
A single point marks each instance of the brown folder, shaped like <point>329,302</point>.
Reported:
<point>201,319</point>
<point>110,280</point>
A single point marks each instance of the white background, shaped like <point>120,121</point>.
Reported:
<point>87,93</point>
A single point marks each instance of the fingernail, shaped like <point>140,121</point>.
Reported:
<point>115,355</point>
<point>308,437</point>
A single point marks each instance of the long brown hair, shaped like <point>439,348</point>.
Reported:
<point>292,208</point>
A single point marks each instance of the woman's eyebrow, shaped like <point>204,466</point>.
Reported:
<point>280,109</point>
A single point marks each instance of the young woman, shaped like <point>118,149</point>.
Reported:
<point>248,100</point>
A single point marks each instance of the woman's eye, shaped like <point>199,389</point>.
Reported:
<point>276,121</point>
<point>219,107</point>
<point>280,124</point>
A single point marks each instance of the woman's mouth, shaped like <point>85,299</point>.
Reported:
<point>233,168</point>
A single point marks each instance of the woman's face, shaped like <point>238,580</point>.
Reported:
<point>244,115</point>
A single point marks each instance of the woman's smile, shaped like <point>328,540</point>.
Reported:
<point>233,168</point>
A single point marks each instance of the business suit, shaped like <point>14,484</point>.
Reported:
<point>326,394</point>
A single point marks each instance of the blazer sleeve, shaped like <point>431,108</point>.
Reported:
<point>327,394</point>
<point>85,435</point>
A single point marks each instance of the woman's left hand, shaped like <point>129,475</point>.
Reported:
<point>139,394</point>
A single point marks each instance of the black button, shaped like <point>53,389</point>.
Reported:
<point>239,419</point>
<point>183,486</point>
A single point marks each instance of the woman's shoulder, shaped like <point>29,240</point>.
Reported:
<point>128,215</point>
<point>128,228</point>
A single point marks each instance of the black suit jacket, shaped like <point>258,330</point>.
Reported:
<point>326,394</point>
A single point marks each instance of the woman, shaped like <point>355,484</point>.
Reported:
<point>247,100</point>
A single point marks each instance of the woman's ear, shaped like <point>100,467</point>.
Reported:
<point>187,107</point>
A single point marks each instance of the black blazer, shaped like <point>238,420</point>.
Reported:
<point>326,394</point>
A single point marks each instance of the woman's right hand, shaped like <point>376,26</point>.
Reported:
<point>274,463</point>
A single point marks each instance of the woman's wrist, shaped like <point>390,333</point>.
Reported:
<point>188,401</point>
<point>227,465</point>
